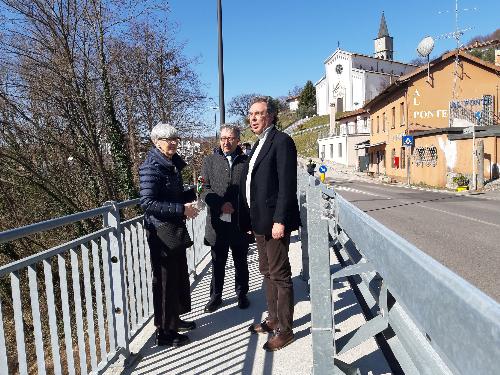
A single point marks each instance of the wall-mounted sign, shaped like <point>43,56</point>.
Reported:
<point>408,140</point>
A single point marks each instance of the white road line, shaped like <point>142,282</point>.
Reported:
<point>345,188</point>
<point>461,216</point>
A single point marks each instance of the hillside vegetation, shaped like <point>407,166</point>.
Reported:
<point>307,142</point>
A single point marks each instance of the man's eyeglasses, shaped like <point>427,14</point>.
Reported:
<point>170,140</point>
<point>230,139</point>
<point>257,114</point>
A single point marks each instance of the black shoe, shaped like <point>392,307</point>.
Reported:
<point>185,325</point>
<point>172,339</point>
<point>213,305</point>
<point>243,302</point>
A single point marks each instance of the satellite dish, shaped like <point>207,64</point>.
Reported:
<point>425,46</point>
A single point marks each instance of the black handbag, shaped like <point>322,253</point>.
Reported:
<point>174,236</point>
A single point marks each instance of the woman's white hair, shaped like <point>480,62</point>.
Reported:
<point>163,130</point>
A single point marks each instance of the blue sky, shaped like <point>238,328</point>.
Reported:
<point>271,46</point>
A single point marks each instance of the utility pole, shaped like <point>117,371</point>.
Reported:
<point>222,116</point>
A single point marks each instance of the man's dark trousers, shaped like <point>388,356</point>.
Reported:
<point>275,266</point>
<point>229,237</point>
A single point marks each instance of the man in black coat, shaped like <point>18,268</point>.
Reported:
<point>270,191</point>
<point>221,173</point>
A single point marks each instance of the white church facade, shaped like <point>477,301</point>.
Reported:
<point>353,79</point>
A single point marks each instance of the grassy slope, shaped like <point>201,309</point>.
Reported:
<point>306,143</point>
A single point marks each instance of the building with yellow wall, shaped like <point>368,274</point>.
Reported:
<point>435,104</point>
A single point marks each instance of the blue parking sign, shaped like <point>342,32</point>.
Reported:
<point>408,140</point>
<point>322,169</point>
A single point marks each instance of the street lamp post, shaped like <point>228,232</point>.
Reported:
<point>222,110</point>
<point>215,119</point>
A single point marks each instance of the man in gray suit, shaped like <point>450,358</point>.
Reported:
<point>221,172</point>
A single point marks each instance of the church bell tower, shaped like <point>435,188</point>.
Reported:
<point>383,42</point>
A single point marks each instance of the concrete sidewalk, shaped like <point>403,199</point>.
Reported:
<point>222,344</point>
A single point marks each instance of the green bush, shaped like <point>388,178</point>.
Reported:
<point>461,180</point>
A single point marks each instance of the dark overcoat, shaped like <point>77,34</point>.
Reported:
<point>162,199</point>
<point>222,184</point>
<point>273,186</point>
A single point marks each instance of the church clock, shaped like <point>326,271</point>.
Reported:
<point>339,68</point>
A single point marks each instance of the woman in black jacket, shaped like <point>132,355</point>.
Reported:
<point>166,205</point>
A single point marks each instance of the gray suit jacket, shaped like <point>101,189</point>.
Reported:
<point>222,184</point>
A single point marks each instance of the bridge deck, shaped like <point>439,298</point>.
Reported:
<point>222,344</point>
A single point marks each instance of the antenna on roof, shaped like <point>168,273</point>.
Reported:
<point>457,34</point>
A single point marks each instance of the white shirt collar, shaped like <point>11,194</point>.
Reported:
<point>266,130</point>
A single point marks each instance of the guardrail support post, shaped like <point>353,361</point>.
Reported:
<point>321,295</point>
<point>304,274</point>
<point>117,270</point>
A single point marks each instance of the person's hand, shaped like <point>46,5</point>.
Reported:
<point>278,231</point>
<point>227,208</point>
<point>190,211</point>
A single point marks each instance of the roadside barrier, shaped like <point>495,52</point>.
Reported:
<point>432,320</point>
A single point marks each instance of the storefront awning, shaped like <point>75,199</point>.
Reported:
<point>362,145</point>
<point>377,144</point>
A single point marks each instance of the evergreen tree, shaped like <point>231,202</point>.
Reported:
<point>307,100</point>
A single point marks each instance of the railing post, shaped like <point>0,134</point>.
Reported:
<point>321,294</point>
<point>304,274</point>
<point>117,274</point>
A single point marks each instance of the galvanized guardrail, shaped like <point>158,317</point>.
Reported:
<point>87,325</point>
<point>433,321</point>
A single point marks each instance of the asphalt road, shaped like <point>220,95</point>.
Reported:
<point>460,232</point>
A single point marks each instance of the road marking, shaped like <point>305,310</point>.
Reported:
<point>345,188</point>
<point>461,216</point>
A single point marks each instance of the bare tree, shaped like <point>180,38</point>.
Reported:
<point>238,106</point>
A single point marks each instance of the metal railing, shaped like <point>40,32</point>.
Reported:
<point>84,300</point>
<point>431,320</point>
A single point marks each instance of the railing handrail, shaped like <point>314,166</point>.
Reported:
<point>42,226</point>
<point>35,258</point>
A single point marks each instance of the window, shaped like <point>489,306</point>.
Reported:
<point>403,157</point>
<point>340,150</point>
<point>331,151</point>
<point>393,118</point>
<point>384,117</point>
<point>371,127</point>
<point>355,126</point>
<point>393,158</point>
<point>378,124</point>
<point>322,156</point>
<point>402,114</point>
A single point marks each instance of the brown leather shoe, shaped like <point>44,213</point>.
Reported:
<point>278,341</point>
<point>267,326</point>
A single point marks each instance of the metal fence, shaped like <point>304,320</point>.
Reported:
<point>78,305</point>
<point>431,320</point>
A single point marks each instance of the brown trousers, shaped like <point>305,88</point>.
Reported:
<point>275,266</point>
